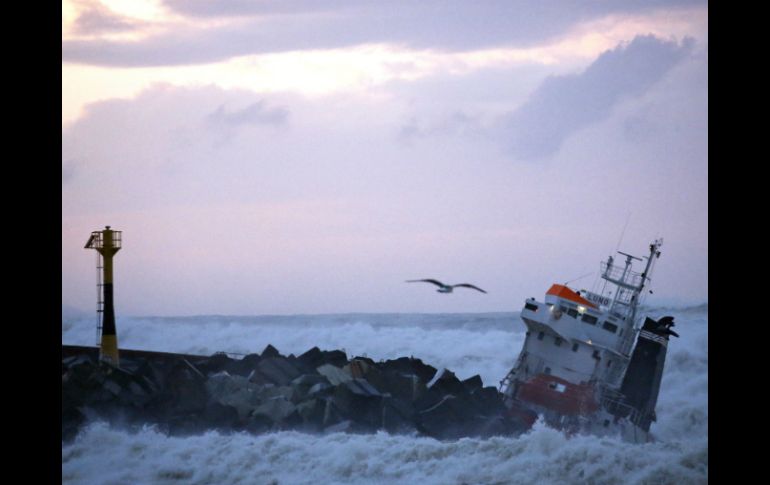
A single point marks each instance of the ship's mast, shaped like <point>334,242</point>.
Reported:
<point>646,274</point>
<point>629,285</point>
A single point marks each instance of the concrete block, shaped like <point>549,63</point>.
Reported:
<point>278,370</point>
<point>276,409</point>
<point>446,382</point>
<point>334,374</point>
<point>270,351</point>
<point>473,384</point>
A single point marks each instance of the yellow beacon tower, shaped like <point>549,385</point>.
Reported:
<point>107,243</point>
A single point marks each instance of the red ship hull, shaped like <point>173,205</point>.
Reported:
<point>559,395</point>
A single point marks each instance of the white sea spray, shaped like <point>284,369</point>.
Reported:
<point>466,344</point>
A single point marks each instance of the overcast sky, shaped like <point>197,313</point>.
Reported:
<point>298,156</point>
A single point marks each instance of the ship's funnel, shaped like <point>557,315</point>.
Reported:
<point>107,243</point>
<point>641,384</point>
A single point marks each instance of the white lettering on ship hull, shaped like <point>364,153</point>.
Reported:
<point>595,298</point>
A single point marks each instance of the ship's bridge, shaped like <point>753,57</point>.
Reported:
<point>572,338</point>
<point>562,292</point>
<point>569,315</point>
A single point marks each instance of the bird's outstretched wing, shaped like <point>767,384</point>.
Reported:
<point>466,285</point>
<point>435,282</point>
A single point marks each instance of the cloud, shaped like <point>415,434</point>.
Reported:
<point>305,215</point>
<point>268,27</point>
<point>67,170</point>
<point>95,18</point>
<point>241,8</point>
<point>525,8</point>
<point>254,114</point>
<point>456,124</point>
<point>563,105</point>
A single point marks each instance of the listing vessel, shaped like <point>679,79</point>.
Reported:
<point>588,363</point>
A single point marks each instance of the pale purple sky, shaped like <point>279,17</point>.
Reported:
<point>308,157</point>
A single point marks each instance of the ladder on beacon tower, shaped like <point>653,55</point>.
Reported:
<point>106,242</point>
<point>99,298</point>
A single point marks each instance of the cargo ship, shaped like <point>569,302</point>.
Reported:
<point>588,363</point>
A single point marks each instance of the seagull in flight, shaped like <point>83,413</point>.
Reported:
<point>446,288</point>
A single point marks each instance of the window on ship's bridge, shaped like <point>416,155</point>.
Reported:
<point>590,319</point>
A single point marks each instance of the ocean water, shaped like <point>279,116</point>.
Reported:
<point>468,344</point>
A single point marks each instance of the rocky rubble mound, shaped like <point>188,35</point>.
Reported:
<point>318,391</point>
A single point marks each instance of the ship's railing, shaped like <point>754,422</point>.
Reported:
<point>614,402</point>
<point>506,382</point>
<point>614,272</point>
<point>525,366</point>
<point>624,297</point>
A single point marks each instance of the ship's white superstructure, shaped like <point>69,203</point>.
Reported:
<point>573,367</point>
